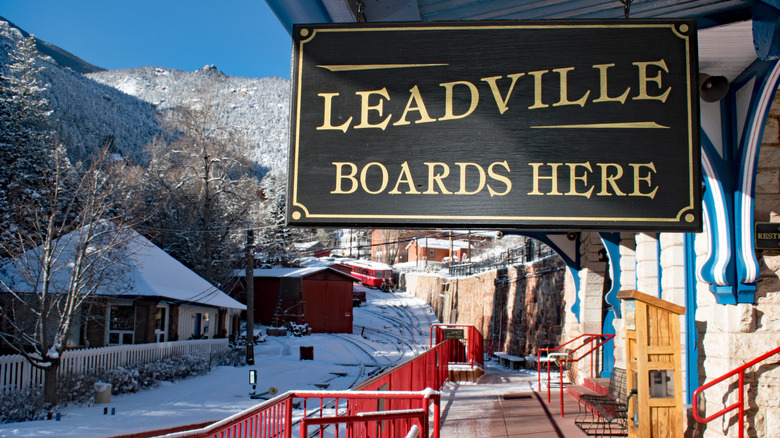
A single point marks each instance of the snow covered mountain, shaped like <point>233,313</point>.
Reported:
<point>93,107</point>
<point>257,108</point>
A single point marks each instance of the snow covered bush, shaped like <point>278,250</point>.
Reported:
<point>132,379</point>
<point>18,406</point>
<point>235,356</point>
<point>29,405</point>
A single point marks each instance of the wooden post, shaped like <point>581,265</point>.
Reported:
<point>653,365</point>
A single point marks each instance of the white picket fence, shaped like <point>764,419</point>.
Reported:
<point>17,374</point>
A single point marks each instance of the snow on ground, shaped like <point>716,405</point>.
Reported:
<point>388,329</point>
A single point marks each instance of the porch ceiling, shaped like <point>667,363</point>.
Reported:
<point>726,44</point>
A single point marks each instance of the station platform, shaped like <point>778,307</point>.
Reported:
<point>503,404</point>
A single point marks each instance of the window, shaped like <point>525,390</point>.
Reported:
<point>161,323</point>
<point>196,325</point>
<point>432,254</point>
<point>200,327</point>
<point>121,324</point>
<point>205,325</point>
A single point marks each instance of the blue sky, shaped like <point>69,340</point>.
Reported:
<point>240,37</point>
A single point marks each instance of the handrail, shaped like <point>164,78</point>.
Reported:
<point>740,404</point>
<point>282,406</point>
<point>474,346</point>
<point>550,352</point>
<point>412,380</point>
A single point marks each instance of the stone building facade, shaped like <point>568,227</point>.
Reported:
<point>518,309</point>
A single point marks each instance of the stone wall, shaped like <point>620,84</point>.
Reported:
<point>520,308</point>
<point>730,336</point>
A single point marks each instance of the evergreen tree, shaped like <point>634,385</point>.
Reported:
<point>275,247</point>
<point>26,141</point>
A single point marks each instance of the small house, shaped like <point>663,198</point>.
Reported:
<point>437,250</point>
<point>313,249</point>
<point>148,296</point>
<point>318,296</point>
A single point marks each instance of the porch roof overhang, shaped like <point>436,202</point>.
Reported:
<point>738,39</point>
<point>733,33</point>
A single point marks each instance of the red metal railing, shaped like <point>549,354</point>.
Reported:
<point>740,404</point>
<point>274,418</point>
<point>472,352</point>
<point>394,401</point>
<point>568,356</point>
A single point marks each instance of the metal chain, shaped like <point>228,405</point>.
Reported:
<point>626,6</point>
<point>361,17</point>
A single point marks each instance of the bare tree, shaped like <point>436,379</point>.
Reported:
<point>390,246</point>
<point>203,185</point>
<point>74,246</point>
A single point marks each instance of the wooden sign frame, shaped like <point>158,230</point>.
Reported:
<point>553,125</point>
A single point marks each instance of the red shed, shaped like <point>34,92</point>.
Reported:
<point>319,296</point>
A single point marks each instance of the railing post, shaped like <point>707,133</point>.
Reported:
<point>560,368</point>
<point>591,358</point>
<point>436,413</point>
<point>548,381</point>
<point>741,403</point>
<point>539,367</point>
<point>288,418</point>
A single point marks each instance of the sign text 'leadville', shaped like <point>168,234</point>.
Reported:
<point>540,125</point>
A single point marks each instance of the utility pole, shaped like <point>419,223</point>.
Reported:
<point>450,264</point>
<point>250,297</point>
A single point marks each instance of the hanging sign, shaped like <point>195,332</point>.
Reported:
<point>768,235</point>
<point>552,125</point>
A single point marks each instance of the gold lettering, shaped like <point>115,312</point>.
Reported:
<point>564,100</point>
<point>340,177</point>
<point>501,178</point>
<point>436,178</point>
<point>637,179</point>
<point>415,97</point>
<point>604,88</point>
<point>363,178</point>
<point>643,80</point>
<point>481,185</point>
<point>326,125</point>
<point>607,179</point>
<point>365,107</point>
<point>448,111</point>
<point>405,173</point>
<point>502,102</point>
<point>538,89</point>
<point>553,179</point>
<point>573,178</point>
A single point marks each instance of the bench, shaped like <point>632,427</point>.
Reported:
<point>509,361</point>
<point>605,415</point>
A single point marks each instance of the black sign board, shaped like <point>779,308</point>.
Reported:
<point>768,235</point>
<point>553,125</point>
<point>450,333</point>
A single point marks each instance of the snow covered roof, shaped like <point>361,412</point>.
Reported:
<point>304,246</point>
<point>289,272</point>
<point>440,243</point>
<point>145,270</point>
<point>368,264</point>
<point>155,273</point>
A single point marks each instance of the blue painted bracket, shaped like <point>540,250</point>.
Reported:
<point>611,242</point>
<point>730,152</point>
<point>766,29</point>
<point>569,250</point>
<point>567,246</point>
<point>300,11</point>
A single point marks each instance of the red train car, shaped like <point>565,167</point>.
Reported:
<point>372,274</point>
